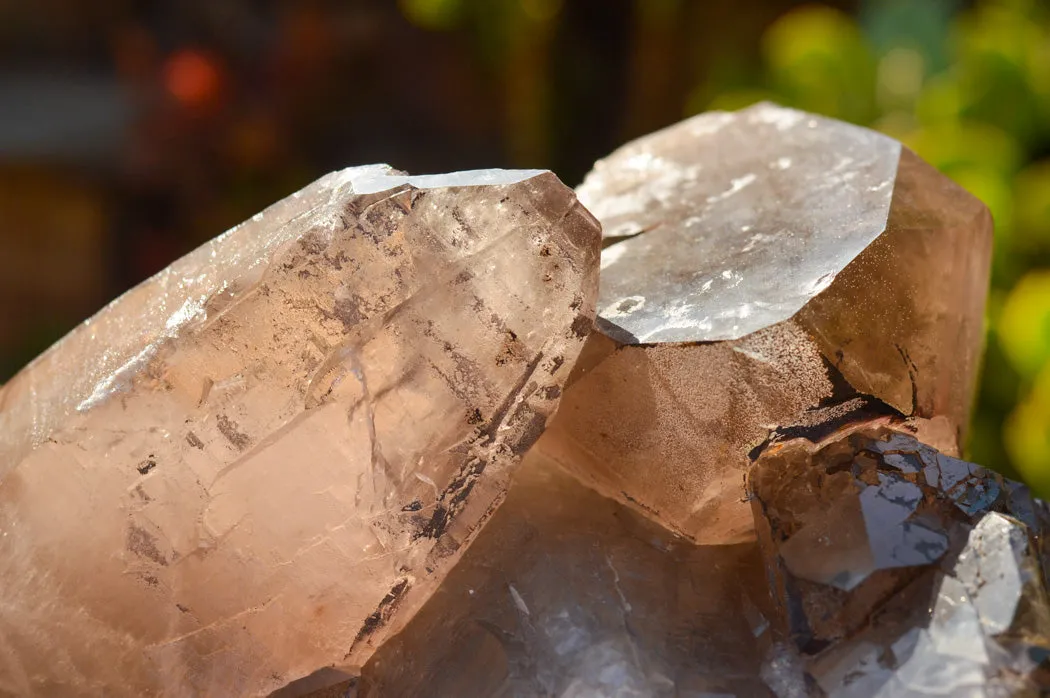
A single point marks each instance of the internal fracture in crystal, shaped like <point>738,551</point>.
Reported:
<point>281,459</point>
<point>257,464</point>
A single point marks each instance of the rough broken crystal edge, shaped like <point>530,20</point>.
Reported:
<point>994,515</point>
<point>953,632</point>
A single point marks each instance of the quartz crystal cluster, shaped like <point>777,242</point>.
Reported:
<point>883,568</point>
<point>390,438</point>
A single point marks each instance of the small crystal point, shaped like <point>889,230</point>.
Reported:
<point>258,463</point>
<point>770,268</point>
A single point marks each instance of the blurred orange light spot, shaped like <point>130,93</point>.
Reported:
<point>192,78</point>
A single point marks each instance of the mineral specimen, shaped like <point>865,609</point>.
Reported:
<point>276,466</point>
<point>765,265</point>
<point>259,462</point>
<point>900,571</point>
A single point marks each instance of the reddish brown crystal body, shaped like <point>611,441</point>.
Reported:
<point>256,464</point>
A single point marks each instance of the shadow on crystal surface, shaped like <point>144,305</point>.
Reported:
<point>900,571</point>
<point>325,407</point>
<point>895,571</point>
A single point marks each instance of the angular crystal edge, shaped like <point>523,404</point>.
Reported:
<point>911,307</point>
<point>731,195</point>
<point>988,623</point>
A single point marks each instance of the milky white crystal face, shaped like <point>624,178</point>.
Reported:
<point>745,217</point>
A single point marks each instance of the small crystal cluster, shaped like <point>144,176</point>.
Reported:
<point>900,571</point>
<point>390,437</point>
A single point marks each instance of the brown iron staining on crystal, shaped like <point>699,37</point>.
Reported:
<point>900,571</point>
<point>245,450</point>
<point>768,269</point>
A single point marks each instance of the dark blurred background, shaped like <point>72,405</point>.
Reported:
<point>131,131</point>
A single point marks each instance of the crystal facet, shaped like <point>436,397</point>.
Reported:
<point>259,462</point>
<point>765,266</point>
<point>900,571</point>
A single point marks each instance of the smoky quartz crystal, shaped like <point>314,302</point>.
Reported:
<point>760,266</point>
<point>259,462</point>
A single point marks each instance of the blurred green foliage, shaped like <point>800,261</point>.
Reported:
<point>966,85</point>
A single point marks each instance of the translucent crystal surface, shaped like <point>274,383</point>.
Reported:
<point>899,571</point>
<point>763,267</point>
<point>259,463</point>
<point>568,593</point>
<point>746,216</point>
<point>276,466</point>
<point>857,588</point>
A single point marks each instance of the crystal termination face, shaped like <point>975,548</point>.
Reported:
<point>746,216</point>
<point>284,454</point>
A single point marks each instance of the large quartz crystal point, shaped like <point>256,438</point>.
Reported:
<point>568,593</point>
<point>900,571</point>
<point>260,462</point>
<point>762,264</point>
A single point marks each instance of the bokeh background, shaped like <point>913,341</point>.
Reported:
<point>131,131</point>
